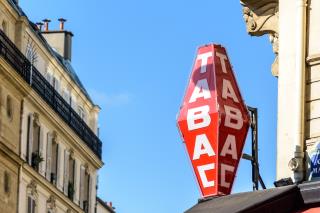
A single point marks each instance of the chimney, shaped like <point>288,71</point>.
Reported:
<point>39,25</point>
<point>46,24</point>
<point>60,40</point>
<point>62,20</point>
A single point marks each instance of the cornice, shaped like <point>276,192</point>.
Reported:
<point>313,59</point>
<point>262,17</point>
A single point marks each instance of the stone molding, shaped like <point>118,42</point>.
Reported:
<point>262,17</point>
<point>313,59</point>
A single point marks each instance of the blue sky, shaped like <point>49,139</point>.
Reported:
<point>134,58</point>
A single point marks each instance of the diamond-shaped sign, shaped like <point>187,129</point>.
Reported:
<point>213,121</point>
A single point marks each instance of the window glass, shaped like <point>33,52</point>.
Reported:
<point>9,107</point>
<point>31,205</point>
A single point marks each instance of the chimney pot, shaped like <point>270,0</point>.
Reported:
<point>46,24</point>
<point>39,25</point>
<point>62,21</point>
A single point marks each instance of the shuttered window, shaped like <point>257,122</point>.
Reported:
<point>49,156</point>
<point>29,139</point>
<point>31,205</point>
<point>66,172</point>
<point>82,187</point>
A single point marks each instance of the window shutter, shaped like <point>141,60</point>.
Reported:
<point>33,206</point>
<point>30,139</point>
<point>41,151</point>
<point>82,183</point>
<point>56,83</point>
<point>49,157</point>
<point>58,167</point>
<point>29,205</point>
<point>75,180</point>
<point>89,192</point>
<point>66,172</point>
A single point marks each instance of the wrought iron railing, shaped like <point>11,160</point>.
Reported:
<point>22,66</point>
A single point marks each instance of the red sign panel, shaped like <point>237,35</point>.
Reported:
<point>213,121</point>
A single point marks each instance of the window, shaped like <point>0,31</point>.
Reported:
<point>34,138</point>
<point>73,102</point>
<point>48,76</point>
<point>6,181</point>
<point>56,84</point>
<point>66,96</point>
<point>71,178</point>
<point>54,163</point>
<point>9,107</point>
<point>82,113</point>
<point>31,205</point>
<point>84,188</point>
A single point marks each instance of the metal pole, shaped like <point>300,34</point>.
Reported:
<point>256,178</point>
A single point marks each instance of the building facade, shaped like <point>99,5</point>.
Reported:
<point>50,153</point>
<point>294,33</point>
<point>103,207</point>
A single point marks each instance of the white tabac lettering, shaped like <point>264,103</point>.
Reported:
<point>228,91</point>
<point>225,168</point>
<point>202,172</point>
<point>230,147</point>
<point>202,147</point>
<point>223,59</point>
<point>204,61</point>
<point>198,117</point>
<point>233,118</point>
<point>201,90</point>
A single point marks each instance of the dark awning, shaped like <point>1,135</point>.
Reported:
<point>282,199</point>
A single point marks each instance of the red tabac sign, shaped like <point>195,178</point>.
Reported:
<point>213,121</point>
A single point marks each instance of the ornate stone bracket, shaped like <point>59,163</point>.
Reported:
<point>32,189</point>
<point>262,17</point>
<point>51,203</point>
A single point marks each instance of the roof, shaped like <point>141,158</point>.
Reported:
<point>99,200</point>
<point>282,199</point>
<point>71,72</point>
<point>64,63</point>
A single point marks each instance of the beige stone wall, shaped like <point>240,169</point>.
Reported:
<point>8,193</point>
<point>279,19</point>
<point>101,208</point>
<point>9,115</point>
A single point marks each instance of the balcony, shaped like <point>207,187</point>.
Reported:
<point>34,78</point>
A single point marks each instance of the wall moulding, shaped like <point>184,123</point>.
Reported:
<point>262,17</point>
<point>313,59</point>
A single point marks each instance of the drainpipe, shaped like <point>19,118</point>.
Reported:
<point>297,163</point>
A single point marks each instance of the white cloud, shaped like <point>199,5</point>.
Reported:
<point>108,100</point>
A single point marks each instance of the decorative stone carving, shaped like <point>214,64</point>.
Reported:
<point>262,17</point>
<point>51,203</point>
<point>32,189</point>
<point>54,136</point>
<point>36,118</point>
<point>71,151</point>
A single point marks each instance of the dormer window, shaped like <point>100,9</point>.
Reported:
<point>66,96</point>
<point>56,84</point>
<point>48,76</point>
<point>82,113</point>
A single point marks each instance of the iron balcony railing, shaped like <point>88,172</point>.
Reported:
<point>22,66</point>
